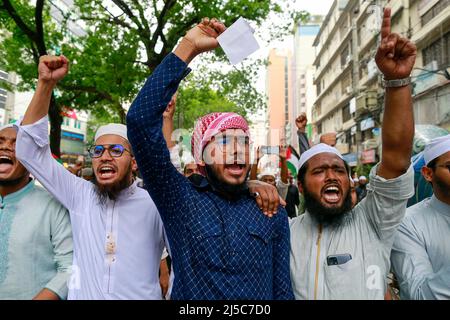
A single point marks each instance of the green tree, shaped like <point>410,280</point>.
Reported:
<point>125,40</point>
<point>24,41</point>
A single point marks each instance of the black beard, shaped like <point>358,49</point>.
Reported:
<point>230,191</point>
<point>324,215</point>
<point>13,182</point>
<point>111,191</point>
<point>442,186</point>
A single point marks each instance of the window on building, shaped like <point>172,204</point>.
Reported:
<point>439,50</point>
<point>346,115</point>
<point>345,56</point>
<point>66,121</point>
<point>434,11</point>
<point>319,128</point>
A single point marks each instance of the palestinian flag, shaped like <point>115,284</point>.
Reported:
<point>292,161</point>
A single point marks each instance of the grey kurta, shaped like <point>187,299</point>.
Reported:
<point>421,253</point>
<point>367,235</point>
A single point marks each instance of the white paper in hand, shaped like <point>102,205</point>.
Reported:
<point>238,41</point>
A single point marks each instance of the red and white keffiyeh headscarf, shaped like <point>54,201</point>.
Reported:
<point>210,125</point>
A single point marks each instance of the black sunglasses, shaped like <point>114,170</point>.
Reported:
<point>115,150</point>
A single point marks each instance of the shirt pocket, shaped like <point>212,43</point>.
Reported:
<point>207,246</point>
<point>258,253</point>
<point>345,281</point>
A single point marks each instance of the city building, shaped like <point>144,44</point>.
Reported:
<point>280,97</point>
<point>73,136</point>
<point>304,93</point>
<point>349,94</point>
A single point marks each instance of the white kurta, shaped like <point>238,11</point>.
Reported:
<point>367,236</point>
<point>421,253</point>
<point>128,267</point>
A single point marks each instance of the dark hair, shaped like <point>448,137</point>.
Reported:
<point>302,172</point>
<point>432,163</point>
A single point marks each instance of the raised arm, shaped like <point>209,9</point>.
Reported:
<point>254,167</point>
<point>32,145</point>
<point>167,126</point>
<point>283,161</point>
<point>395,59</point>
<point>51,70</point>
<point>167,187</point>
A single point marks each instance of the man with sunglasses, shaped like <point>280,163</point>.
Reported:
<point>421,253</point>
<point>117,232</point>
<point>221,244</point>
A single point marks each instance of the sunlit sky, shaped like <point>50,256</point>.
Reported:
<point>318,7</point>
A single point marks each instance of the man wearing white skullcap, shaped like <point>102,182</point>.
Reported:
<point>117,231</point>
<point>421,253</point>
<point>342,253</point>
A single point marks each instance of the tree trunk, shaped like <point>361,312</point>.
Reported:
<point>55,118</point>
<point>122,114</point>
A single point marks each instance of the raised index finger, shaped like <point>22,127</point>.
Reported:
<point>386,24</point>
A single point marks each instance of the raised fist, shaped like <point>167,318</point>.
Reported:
<point>301,122</point>
<point>203,36</point>
<point>52,68</point>
<point>328,138</point>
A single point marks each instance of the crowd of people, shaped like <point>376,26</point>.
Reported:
<point>214,228</point>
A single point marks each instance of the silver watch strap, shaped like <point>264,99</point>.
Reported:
<point>395,83</point>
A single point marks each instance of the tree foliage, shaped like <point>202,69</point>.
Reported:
<point>123,41</point>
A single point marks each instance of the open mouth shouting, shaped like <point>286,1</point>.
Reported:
<point>235,169</point>
<point>6,163</point>
<point>332,194</point>
<point>106,172</point>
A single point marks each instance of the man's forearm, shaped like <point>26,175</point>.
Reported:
<point>397,132</point>
<point>167,129</point>
<point>40,103</point>
<point>185,51</point>
<point>284,171</point>
<point>254,171</point>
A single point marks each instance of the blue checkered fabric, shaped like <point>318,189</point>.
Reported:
<point>221,249</point>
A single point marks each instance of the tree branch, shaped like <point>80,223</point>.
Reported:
<point>19,22</point>
<point>161,20</point>
<point>113,20</point>
<point>143,19</point>
<point>89,89</point>
<point>40,43</point>
<point>126,9</point>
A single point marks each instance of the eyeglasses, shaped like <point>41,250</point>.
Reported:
<point>115,150</point>
<point>228,140</point>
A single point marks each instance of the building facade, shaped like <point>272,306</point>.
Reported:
<point>280,97</point>
<point>304,93</point>
<point>73,136</point>
<point>349,93</point>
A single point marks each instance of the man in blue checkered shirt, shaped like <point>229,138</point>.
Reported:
<point>222,246</point>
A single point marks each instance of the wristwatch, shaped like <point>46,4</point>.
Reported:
<point>396,83</point>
